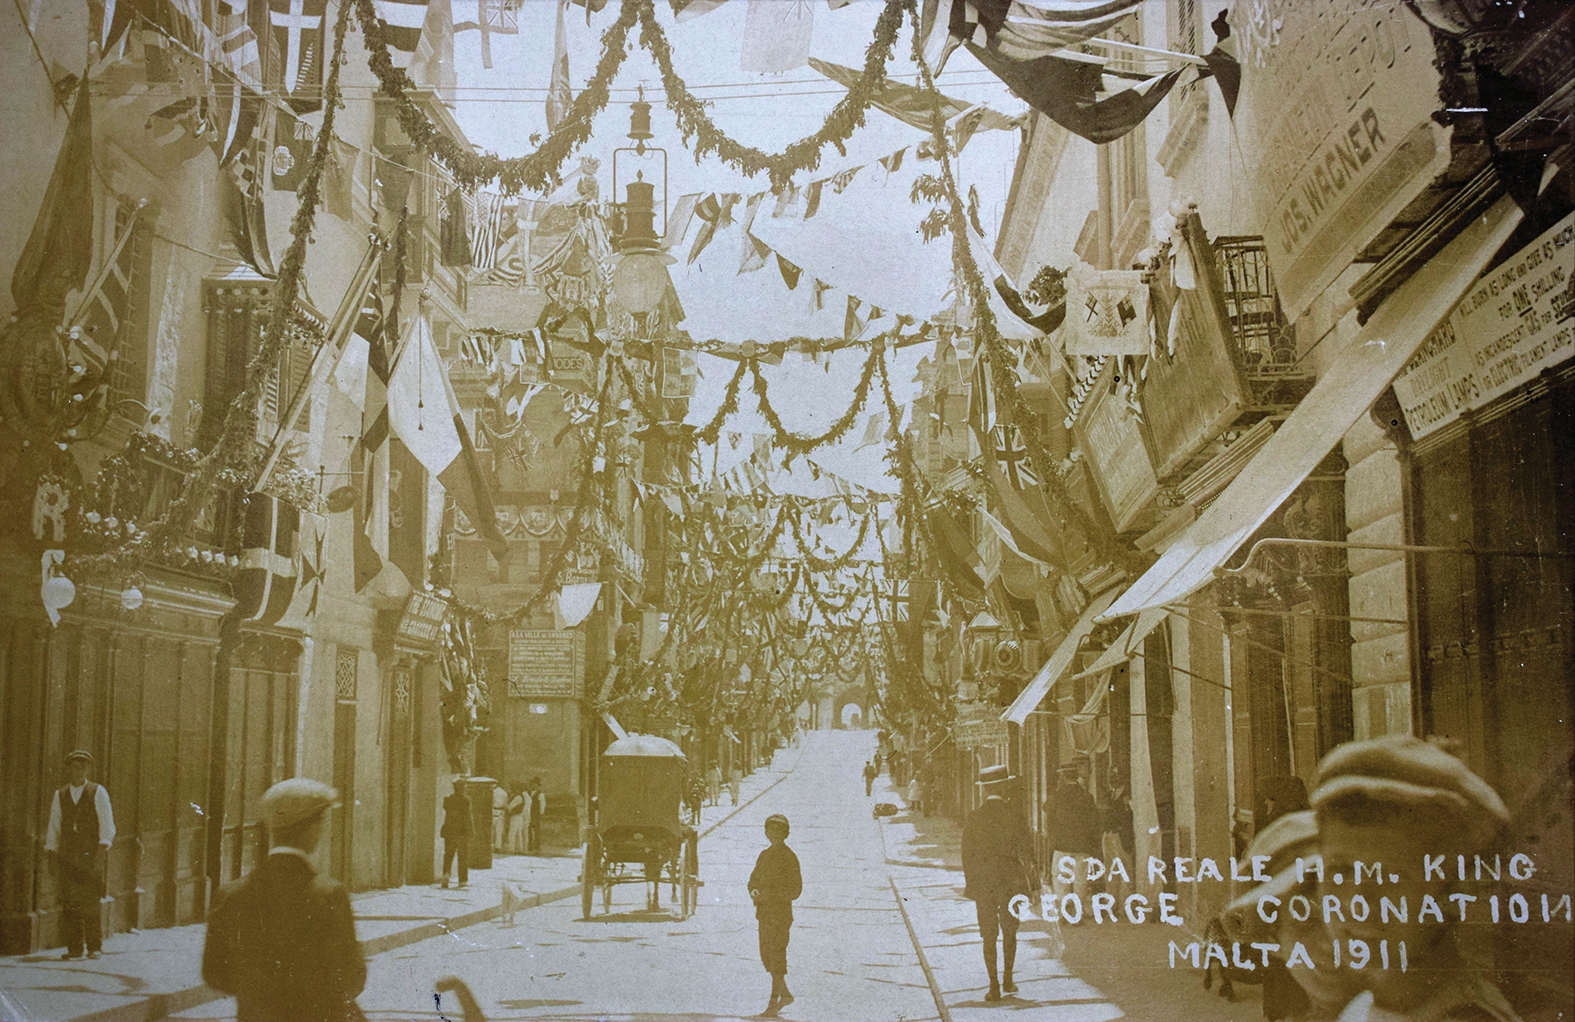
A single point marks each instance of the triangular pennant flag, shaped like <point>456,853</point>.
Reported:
<point>790,272</point>
<point>812,198</point>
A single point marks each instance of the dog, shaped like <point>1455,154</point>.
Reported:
<point>514,899</point>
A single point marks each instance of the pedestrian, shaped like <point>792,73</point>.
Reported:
<point>515,814</point>
<point>1115,816</point>
<point>869,778</point>
<point>734,781</point>
<point>915,796</point>
<point>877,762</point>
<point>456,832</point>
<point>713,783</point>
<point>537,809</point>
<point>500,802</point>
<point>773,886</point>
<point>81,830</point>
<point>282,939</point>
<point>1073,827</point>
<point>995,850</point>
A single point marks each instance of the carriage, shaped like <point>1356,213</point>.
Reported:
<point>637,833</point>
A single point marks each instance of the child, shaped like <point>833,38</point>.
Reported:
<point>772,887</point>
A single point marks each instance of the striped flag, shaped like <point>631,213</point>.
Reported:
<point>1014,29</point>
<point>559,96</point>
<point>372,326</point>
<point>485,211</point>
<point>404,19</point>
<point>100,314</point>
<point>235,39</point>
<point>298,32</point>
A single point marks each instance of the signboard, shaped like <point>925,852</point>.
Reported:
<point>1106,312</point>
<point>1196,390</point>
<point>970,734</point>
<point>1514,323</point>
<point>422,618</point>
<point>1112,439</point>
<point>546,664</point>
<point>1336,129</point>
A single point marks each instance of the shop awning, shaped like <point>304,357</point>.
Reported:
<point>612,725</point>
<point>1341,396</point>
<point>1059,661</point>
<point>1127,645</point>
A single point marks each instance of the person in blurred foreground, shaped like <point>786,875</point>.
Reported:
<point>282,940</point>
<point>773,886</point>
<point>1394,800</point>
<point>994,849</point>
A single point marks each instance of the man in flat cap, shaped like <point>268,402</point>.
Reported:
<point>1073,827</point>
<point>81,829</point>
<point>282,939</point>
<point>1394,800</point>
<point>773,886</point>
<point>995,850</point>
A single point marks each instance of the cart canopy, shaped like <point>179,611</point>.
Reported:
<point>644,745</point>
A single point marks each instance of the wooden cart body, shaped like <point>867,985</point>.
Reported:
<point>638,834</point>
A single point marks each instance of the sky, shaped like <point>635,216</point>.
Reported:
<point>863,241</point>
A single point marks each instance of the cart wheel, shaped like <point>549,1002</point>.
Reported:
<point>607,896</point>
<point>590,874</point>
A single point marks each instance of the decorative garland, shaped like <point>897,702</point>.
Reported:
<point>539,170</point>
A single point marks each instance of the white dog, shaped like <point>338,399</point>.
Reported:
<point>514,899</point>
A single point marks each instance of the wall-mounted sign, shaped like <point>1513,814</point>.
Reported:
<point>971,734</point>
<point>1112,440</point>
<point>1516,322</point>
<point>1106,312</point>
<point>1335,127</point>
<point>546,663</point>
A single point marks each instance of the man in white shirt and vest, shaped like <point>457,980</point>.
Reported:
<point>81,829</point>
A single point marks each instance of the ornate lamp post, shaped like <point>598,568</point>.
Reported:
<point>640,275</point>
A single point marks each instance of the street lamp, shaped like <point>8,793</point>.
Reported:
<point>639,279</point>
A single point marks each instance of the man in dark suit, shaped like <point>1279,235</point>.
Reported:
<point>538,806</point>
<point>282,939</point>
<point>995,851</point>
<point>456,832</point>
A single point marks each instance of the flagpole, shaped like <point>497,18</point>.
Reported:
<point>328,354</point>
<point>108,267</point>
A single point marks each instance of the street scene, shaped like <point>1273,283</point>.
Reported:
<point>787,509</point>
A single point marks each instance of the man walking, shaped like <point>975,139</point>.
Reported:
<point>773,886</point>
<point>869,778</point>
<point>282,939</point>
<point>994,856</point>
<point>538,806</point>
<point>456,832</point>
<point>1073,827</point>
<point>81,829</point>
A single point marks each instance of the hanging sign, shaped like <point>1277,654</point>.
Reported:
<point>1335,127</point>
<point>1106,312</point>
<point>1516,322</point>
<point>545,663</point>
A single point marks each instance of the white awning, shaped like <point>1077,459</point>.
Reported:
<point>576,602</point>
<point>1123,648</point>
<point>1341,396</point>
<point>1059,661</point>
<point>612,725</point>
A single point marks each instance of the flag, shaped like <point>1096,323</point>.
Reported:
<point>366,559</point>
<point>454,233</point>
<point>854,325</point>
<point>101,313</point>
<point>680,371</point>
<point>684,10</point>
<point>293,140</point>
<point>678,220</point>
<point>756,252</point>
<point>59,250</point>
<point>1024,512</point>
<point>393,181</point>
<point>956,551</point>
<point>403,19</point>
<point>242,203</point>
<point>235,39</point>
<point>776,35</point>
<point>1013,28</point>
<point>900,600</point>
<point>108,21</point>
<point>423,412</point>
<point>715,213</point>
<point>1222,62</point>
<point>432,64</point>
<point>817,297</point>
<point>372,326</point>
<point>339,183</point>
<point>912,105</point>
<point>1065,89</point>
<point>1013,457</point>
<point>790,272</point>
<point>893,162</point>
<point>872,431</point>
<point>297,27</point>
<point>238,112</point>
<point>981,397</point>
<point>559,96</point>
<point>812,198</point>
<point>265,582</point>
<point>485,213</point>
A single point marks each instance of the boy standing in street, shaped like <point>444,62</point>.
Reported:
<point>773,886</point>
<point>456,833</point>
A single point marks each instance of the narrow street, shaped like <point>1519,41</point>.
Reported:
<point>853,956</point>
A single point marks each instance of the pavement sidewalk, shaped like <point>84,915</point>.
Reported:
<point>152,974</point>
<point>1108,971</point>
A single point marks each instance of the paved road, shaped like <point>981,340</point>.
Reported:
<point>851,955</point>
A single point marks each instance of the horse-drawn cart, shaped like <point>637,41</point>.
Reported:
<point>637,834</point>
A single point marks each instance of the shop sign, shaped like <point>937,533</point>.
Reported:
<point>545,663</point>
<point>1514,323</point>
<point>1195,389</point>
<point>1111,437</point>
<point>1335,127</point>
<point>971,734</point>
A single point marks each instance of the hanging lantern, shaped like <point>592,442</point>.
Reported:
<point>131,598</point>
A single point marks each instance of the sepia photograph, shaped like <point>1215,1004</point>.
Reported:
<point>807,510</point>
